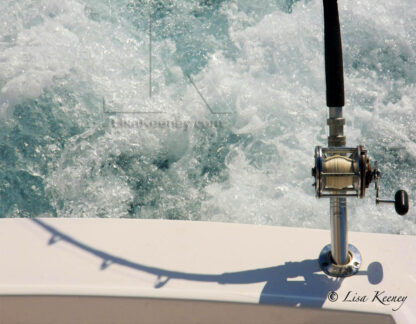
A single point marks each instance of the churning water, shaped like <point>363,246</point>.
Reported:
<point>201,110</point>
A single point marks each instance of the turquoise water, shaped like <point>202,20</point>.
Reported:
<point>200,110</point>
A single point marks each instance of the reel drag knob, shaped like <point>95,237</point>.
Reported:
<point>401,202</point>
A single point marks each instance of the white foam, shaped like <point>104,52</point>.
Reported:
<point>272,82</point>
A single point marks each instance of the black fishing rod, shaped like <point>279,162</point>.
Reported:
<point>341,171</point>
<point>334,69</point>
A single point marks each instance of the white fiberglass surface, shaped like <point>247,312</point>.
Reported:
<point>200,110</point>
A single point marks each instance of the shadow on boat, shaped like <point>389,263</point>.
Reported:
<point>291,284</point>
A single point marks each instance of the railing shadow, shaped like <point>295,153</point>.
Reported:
<point>282,286</point>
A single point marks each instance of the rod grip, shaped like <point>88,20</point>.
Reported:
<point>334,70</point>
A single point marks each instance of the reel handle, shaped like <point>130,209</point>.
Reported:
<point>401,198</point>
<point>401,202</point>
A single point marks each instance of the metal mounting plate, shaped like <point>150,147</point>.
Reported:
<point>331,269</point>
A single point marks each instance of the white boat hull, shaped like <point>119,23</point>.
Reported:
<point>159,271</point>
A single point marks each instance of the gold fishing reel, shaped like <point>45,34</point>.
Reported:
<point>347,172</point>
<point>341,171</point>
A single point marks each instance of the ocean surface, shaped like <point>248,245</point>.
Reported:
<point>199,110</point>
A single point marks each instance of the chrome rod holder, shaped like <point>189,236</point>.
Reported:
<point>338,174</point>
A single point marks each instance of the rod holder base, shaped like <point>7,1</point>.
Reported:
<point>344,270</point>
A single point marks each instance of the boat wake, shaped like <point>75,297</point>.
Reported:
<point>203,110</point>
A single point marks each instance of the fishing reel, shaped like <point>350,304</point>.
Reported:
<point>347,172</point>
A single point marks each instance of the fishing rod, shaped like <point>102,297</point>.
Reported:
<point>341,171</point>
